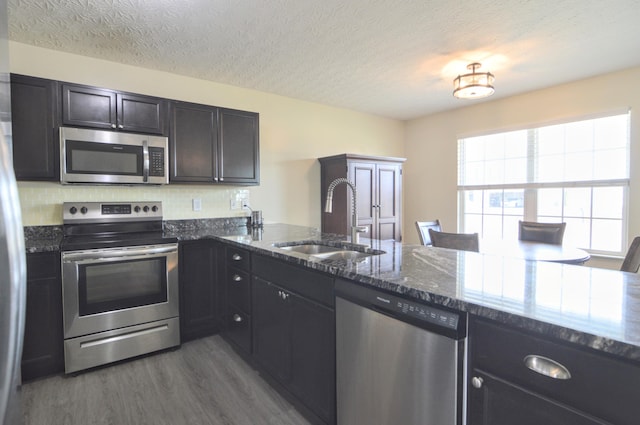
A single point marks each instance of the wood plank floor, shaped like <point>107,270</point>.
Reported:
<point>203,382</point>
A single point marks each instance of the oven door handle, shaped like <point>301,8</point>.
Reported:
<point>128,254</point>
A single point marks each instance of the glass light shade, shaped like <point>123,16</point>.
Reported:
<point>474,85</point>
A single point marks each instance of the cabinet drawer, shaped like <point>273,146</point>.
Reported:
<point>599,385</point>
<point>238,258</point>
<point>238,329</point>
<point>238,284</point>
<point>313,285</point>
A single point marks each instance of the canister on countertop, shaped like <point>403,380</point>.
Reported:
<point>256,218</point>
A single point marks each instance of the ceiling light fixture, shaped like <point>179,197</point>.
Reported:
<point>474,85</point>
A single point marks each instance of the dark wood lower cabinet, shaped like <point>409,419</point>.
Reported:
<point>498,402</point>
<point>313,356</point>
<point>272,317</point>
<point>43,353</point>
<point>524,378</point>
<point>294,336</point>
<point>199,268</point>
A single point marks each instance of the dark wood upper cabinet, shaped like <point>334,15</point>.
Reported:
<point>193,142</point>
<point>213,145</point>
<point>208,144</point>
<point>378,182</point>
<point>85,106</point>
<point>34,140</point>
<point>239,159</point>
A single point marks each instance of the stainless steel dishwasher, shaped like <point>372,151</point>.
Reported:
<point>398,361</point>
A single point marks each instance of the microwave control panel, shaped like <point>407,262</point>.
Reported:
<point>156,162</point>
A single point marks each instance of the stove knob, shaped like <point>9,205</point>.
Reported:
<point>84,210</point>
<point>73,210</point>
<point>146,208</point>
<point>137,208</point>
<point>154,208</point>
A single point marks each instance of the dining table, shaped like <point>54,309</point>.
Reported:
<point>534,251</point>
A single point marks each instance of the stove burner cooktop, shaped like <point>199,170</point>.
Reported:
<point>95,225</point>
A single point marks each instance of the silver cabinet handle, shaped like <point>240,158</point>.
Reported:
<point>477,382</point>
<point>113,126</point>
<point>237,318</point>
<point>237,278</point>
<point>283,295</point>
<point>120,126</point>
<point>546,367</point>
<point>236,257</point>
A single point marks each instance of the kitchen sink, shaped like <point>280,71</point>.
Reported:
<point>320,251</point>
<point>311,249</point>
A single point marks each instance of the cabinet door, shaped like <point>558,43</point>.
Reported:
<point>88,107</point>
<point>238,160</point>
<point>498,402</point>
<point>363,175</point>
<point>387,205</point>
<point>35,147</point>
<point>192,142</point>
<point>43,339</point>
<point>199,288</point>
<point>271,313</point>
<point>141,114</point>
<point>313,356</point>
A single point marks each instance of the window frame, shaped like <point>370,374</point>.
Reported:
<point>529,210</point>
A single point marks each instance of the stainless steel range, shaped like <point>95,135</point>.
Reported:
<point>119,283</point>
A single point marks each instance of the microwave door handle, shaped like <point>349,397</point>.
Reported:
<point>145,161</point>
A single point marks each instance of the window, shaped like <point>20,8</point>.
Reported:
<point>576,172</point>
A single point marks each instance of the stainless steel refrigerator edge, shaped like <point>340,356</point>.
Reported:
<point>12,253</point>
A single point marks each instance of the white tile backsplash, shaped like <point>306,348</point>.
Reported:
<point>41,203</point>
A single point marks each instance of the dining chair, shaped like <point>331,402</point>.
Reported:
<point>551,233</point>
<point>460,241</point>
<point>631,261</point>
<point>423,230</point>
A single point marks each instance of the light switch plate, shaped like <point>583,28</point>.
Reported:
<point>196,204</point>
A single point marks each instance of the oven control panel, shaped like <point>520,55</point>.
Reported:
<point>74,212</point>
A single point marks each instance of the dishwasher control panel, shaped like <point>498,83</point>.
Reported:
<point>426,313</point>
<point>418,311</point>
<point>402,308</point>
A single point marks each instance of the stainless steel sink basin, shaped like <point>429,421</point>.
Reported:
<point>344,255</point>
<point>311,249</point>
<point>319,251</point>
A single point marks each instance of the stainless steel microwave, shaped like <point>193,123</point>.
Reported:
<point>111,157</point>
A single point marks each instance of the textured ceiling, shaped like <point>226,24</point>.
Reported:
<point>394,58</point>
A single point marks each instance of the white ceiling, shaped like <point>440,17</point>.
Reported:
<point>394,58</point>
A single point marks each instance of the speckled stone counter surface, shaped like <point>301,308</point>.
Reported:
<point>42,238</point>
<point>593,307</point>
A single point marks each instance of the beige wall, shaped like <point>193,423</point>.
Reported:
<point>293,134</point>
<point>431,142</point>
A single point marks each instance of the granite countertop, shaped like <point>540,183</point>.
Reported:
<point>592,307</point>
<point>597,308</point>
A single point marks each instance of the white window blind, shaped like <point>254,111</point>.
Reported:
<point>577,172</point>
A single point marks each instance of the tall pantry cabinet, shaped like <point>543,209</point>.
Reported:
<point>378,182</point>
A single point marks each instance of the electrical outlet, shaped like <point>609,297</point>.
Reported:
<point>244,203</point>
<point>196,203</point>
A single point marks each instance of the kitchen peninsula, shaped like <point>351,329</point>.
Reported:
<point>586,315</point>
